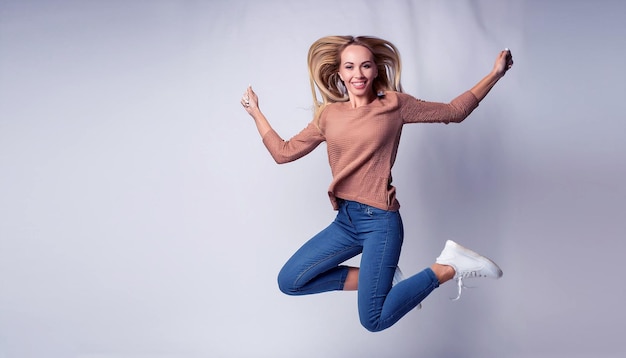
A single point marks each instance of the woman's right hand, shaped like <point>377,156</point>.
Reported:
<point>250,101</point>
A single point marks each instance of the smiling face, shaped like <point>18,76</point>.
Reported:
<point>357,70</point>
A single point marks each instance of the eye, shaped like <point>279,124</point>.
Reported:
<point>348,67</point>
<point>367,65</point>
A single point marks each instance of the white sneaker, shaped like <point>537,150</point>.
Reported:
<point>467,264</point>
<point>397,276</point>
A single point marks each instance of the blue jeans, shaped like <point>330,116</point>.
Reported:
<point>377,235</point>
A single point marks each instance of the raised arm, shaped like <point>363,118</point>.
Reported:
<point>414,111</point>
<point>250,102</point>
<point>504,62</point>
<point>281,150</point>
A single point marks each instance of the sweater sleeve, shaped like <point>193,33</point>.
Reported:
<point>416,110</point>
<point>297,147</point>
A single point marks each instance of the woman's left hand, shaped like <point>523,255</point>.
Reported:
<point>504,62</point>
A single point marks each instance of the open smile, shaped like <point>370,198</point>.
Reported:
<point>359,84</point>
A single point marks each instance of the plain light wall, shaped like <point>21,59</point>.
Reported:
<point>141,215</point>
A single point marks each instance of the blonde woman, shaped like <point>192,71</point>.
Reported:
<point>360,117</point>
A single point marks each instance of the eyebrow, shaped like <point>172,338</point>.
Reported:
<point>352,63</point>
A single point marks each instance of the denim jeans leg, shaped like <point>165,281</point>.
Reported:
<point>315,267</point>
<point>378,235</point>
<point>380,305</point>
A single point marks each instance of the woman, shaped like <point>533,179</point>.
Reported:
<point>360,118</point>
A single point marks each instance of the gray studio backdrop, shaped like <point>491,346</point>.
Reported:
<point>141,216</point>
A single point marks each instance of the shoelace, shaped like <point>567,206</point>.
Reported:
<point>459,282</point>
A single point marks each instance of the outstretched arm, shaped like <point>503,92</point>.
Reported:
<point>504,62</point>
<point>459,108</point>
<point>250,102</point>
<point>282,151</point>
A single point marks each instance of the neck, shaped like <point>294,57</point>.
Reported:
<point>358,101</point>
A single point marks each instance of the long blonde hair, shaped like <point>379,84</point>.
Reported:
<point>325,55</point>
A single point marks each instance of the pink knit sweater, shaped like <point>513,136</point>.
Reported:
<point>363,142</point>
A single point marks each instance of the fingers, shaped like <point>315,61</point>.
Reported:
<point>247,96</point>
<point>245,100</point>
<point>508,58</point>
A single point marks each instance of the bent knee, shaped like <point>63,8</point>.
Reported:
<point>286,284</point>
<point>372,325</point>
